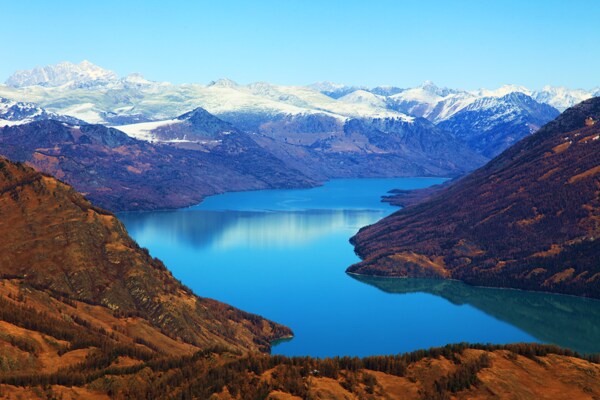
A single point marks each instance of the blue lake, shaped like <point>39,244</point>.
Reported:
<point>283,254</point>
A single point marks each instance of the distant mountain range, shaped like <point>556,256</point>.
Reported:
<point>122,173</point>
<point>491,124</point>
<point>528,219</point>
<point>65,89</point>
<point>62,74</point>
<point>96,95</point>
<point>307,133</point>
<point>18,113</point>
<point>323,147</point>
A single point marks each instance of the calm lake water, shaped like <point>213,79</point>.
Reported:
<point>282,254</point>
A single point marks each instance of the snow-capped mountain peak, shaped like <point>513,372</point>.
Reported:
<point>561,97</point>
<point>363,97</point>
<point>264,89</point>
<point>137,78</point>
<point>386,90</point>
<point>333,90</point>
<point>326,86</point>
<point>224,83</point>
<point>428,93</point>
<point>432,88</point>
<point>503,91</point>
<point>97,95</point>
<point>429,86</point>
<point>18,113</point>
<point>61,74</point>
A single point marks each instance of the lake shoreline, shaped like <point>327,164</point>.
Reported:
<point>301,187</point>
<point>477,286</point>
<point>286,266</point>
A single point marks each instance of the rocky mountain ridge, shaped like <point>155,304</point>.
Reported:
<point>18,113</point>
<point>62,246</point>
<point>122,173</point>
<point>224,96</point>
<point>485,120</point>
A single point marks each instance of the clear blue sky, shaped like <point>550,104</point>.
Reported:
<point>467,44</point>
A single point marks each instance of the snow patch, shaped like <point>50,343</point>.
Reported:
<point>143,130</point>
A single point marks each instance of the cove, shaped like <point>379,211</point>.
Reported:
<point>283,254</point>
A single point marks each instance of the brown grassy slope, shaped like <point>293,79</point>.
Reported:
<point>529,219</point>
<point>56,241</point>
<point>453,372</point>
<point>42,333</point>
